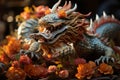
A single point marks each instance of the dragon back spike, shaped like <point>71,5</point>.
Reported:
<point>104,14</point>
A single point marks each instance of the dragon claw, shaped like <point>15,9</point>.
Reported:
<point>104,59</point>
<point>112,59</point>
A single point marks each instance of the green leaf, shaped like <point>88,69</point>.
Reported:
<point>17,57</point>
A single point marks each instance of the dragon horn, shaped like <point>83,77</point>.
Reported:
<point>71,10</point>
<point>65,4</point>
<point>55,6</point>
<point>68,6</point>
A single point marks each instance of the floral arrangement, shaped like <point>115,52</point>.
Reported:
<point>32,12</point>
<point>20,61</point>
<point>21,67</point>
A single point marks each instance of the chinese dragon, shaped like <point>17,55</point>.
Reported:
<point>55,43</point>
<point>64,31</point>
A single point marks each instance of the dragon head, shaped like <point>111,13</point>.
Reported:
<point>59,22</point>
<point>57,16</point>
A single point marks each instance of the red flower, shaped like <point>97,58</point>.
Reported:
<point>64,74</point>
<point>41,11</point>
<point>24,59</point>
<point>4,58</point>
<point>16,64</point>
<point>52,68</point>
<point>36,71</point>
<point>79,61</point>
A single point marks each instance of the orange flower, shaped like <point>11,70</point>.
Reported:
<point>15,74</point>
<point>35,71</point>
<point>62,14</point>
<point>85,70</point>
<point>105,68</point>
<point>13,47</point>
<point>47,11</point>
<point>92,64</point>
<point>41,10</point>
<point>25,15</point>
<point>4,58</point>
<point>79,61</point>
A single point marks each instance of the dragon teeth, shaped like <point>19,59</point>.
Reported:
<point>104,14</point>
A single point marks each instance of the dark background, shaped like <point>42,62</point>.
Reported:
<point>10,8</point>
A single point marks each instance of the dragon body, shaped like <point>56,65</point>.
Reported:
<point>26,28</point>
<point>105,28</point>
<point>64,31</point>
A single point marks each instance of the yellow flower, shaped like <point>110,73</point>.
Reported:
<point>59,66</point>
<point>27,9</point>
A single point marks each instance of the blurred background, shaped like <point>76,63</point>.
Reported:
<point>10,8</point>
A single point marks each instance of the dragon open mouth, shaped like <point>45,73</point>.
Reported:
<point>50,37</point>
